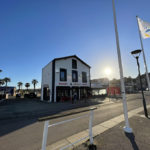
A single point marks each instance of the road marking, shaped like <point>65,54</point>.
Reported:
<point>98,129</point>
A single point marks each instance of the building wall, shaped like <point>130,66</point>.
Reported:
<point>47,75</point>
<point>67,64</point>
<point>46,78</point>
<point>101,83</point>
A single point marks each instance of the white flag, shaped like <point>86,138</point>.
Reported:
<point>144,28</point>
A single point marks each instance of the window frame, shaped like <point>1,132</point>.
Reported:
<point>84,80</point>
<point>75,71</point>
<point>65,74</point>
<point>74,64</point>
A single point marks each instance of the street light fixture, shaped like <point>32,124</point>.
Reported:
<point>136,54</point>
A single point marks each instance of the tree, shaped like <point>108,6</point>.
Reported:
<point>19,85</point>
<point>27,85</point>
<point>1,82</point>
<point>34,82</point>
<point>6,80</point>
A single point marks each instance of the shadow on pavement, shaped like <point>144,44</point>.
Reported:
<point>148,117</point>
<point>131,137</point>
<point>16,114</point>
<point>7,126</point>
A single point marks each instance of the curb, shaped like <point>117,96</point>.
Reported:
<point>98,129</point>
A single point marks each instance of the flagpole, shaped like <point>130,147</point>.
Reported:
<point>145,65</point>
<point>127,127</point>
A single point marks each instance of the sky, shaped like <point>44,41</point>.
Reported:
<point>33,32</point>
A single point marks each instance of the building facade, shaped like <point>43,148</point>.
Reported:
<point>8,90</point>
<point>99,86</point>
<point>65,77</point>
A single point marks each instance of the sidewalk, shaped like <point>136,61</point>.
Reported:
<point>116,139</point>
<point>109,135</point>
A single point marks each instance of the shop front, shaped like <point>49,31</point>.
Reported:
<point>67,93</point>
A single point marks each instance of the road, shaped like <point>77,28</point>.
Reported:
<point>26,134</point>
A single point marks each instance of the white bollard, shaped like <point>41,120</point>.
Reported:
<point>45,133</point>
<point>90,127</point>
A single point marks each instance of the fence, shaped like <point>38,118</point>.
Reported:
<point>47,125</point>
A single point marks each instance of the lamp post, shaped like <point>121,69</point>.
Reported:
<point>136,54</point>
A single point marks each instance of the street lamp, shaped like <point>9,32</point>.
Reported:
<point>136,54</point>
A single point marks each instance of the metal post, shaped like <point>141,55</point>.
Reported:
<point>42,92</point>
<point>79,93</point>
<point>45,133</point>
<point>109,89</point>
<point>71,95</point>
<point>144,102</point>
<point>145,65</point>
<point>90,127</point>
<point>127,127</point>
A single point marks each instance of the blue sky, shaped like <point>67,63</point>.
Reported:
<point>33,32</point>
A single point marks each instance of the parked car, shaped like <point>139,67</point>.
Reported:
<point>32,95</point>
<point>18,95</point>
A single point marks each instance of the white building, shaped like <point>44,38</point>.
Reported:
<point>63,77</point>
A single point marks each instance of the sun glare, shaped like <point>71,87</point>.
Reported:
<point>107,71</point>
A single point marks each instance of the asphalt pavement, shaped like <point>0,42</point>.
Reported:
<point>26,134</point>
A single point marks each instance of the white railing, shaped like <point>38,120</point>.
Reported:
<point>47,125</point>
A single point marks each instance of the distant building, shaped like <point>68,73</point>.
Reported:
<point>99,86</point>
<point>113,91</point>
<point>11,90</point>
<point>130,84</point>
<point>144,82</point>
<point>63,77</point>
<point>99,83</point>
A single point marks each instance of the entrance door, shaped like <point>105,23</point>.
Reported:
<point>46,93</point>
<point>75,90</point>
<point>62,93</point>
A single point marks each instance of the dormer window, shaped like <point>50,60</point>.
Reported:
<point>74,64</point>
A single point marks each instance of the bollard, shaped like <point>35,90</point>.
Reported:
<point>45,132</point>
<point>91,146</point>
<point>90,127</point>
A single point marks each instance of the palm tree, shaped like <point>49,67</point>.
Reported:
<point>27,85</point>
<point>6,80</point>
<point>19,85</point>
<point>34,82</point>
<point>1,82</point>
